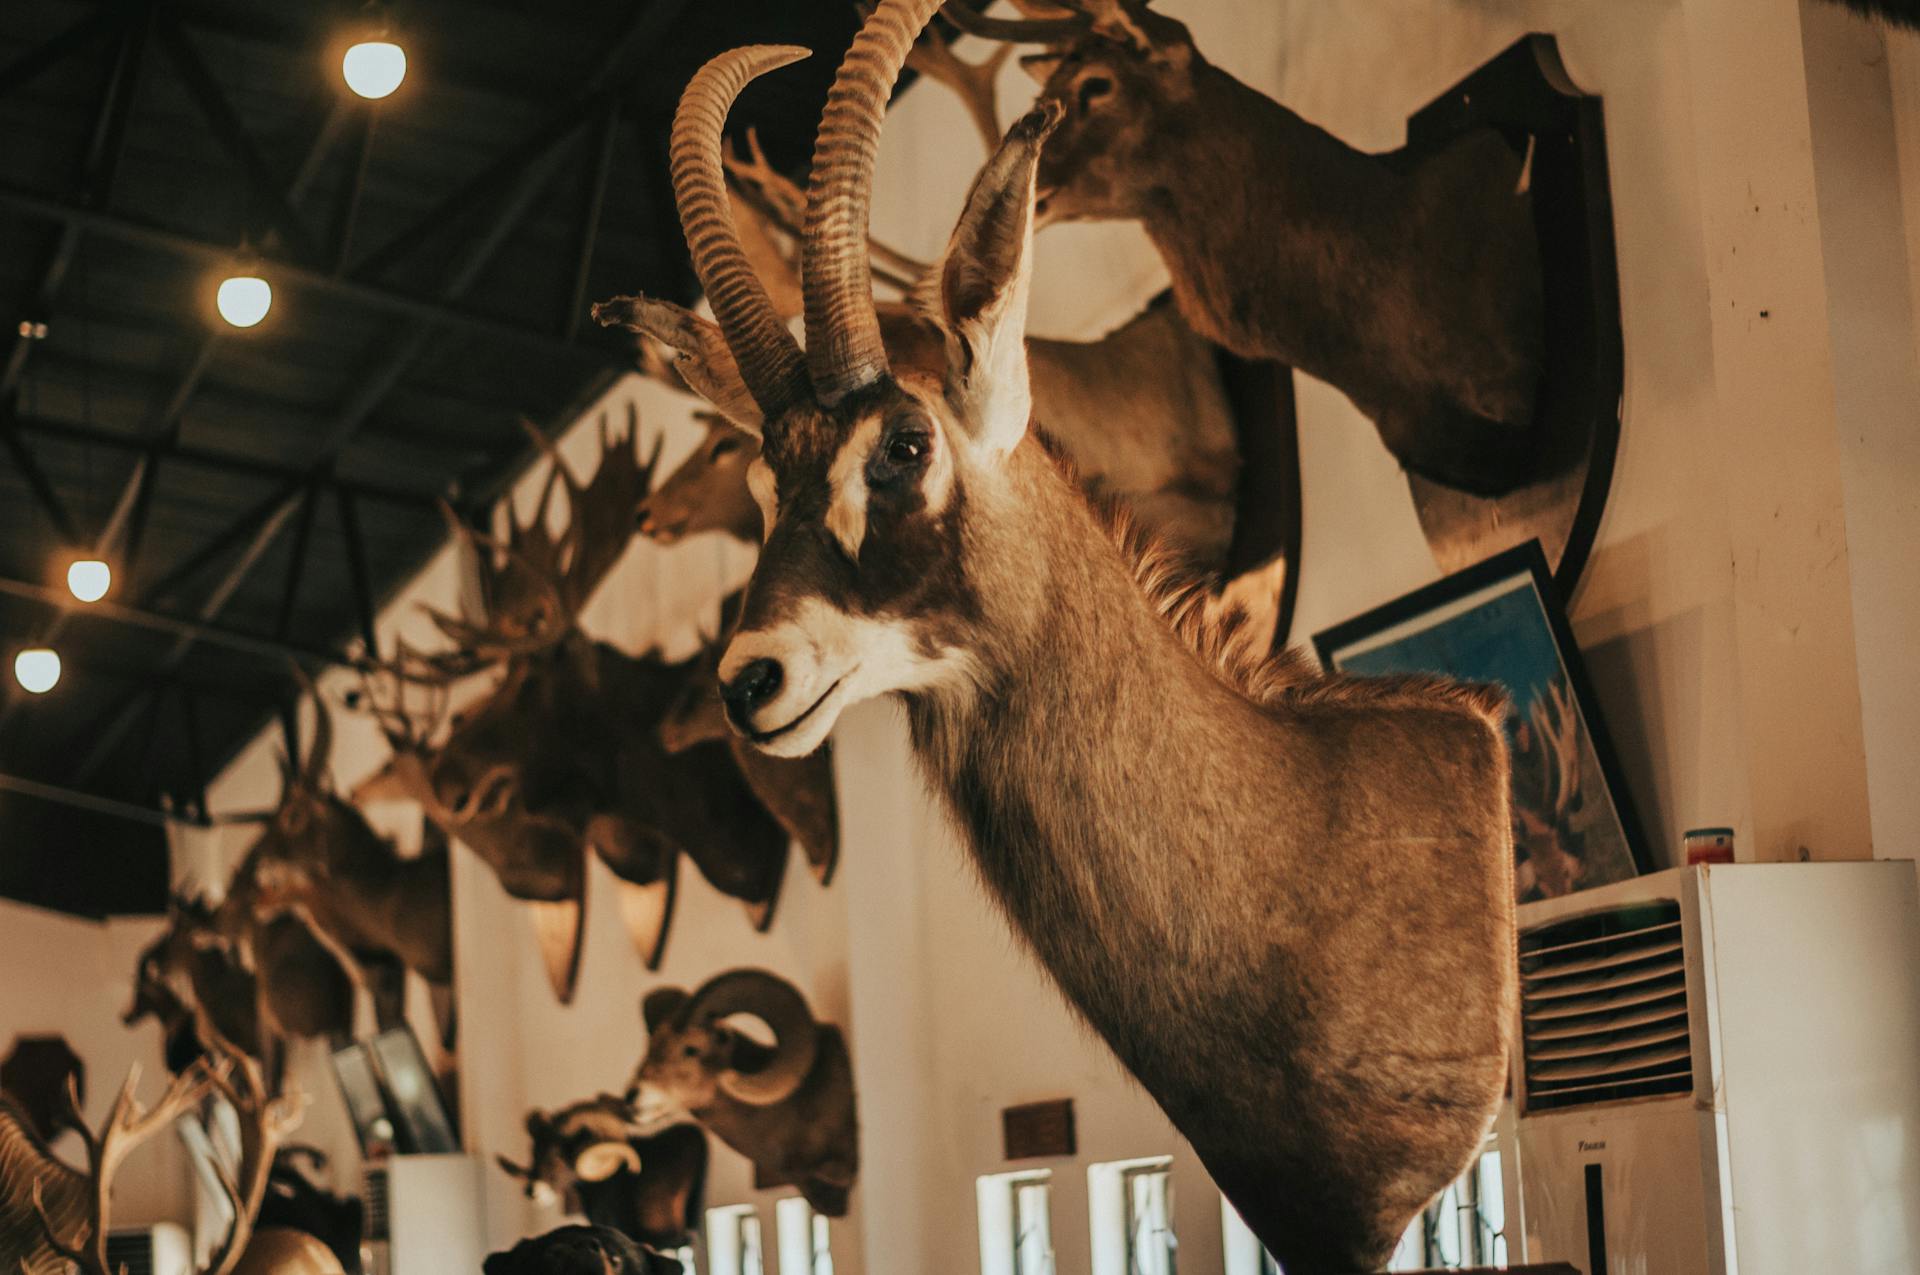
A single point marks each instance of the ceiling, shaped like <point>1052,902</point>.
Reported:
<point>260,492</point>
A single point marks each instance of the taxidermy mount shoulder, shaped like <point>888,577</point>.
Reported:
<point>1219,859</point>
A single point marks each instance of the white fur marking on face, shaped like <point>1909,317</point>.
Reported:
<point>830,659</point>
<point>765,491</point>
<point>847,508</point>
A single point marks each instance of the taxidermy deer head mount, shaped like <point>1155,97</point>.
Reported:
<point>564,755</point>
<point>1414,289</point>
<point>52,1215</point>
<point>318,857</point>
<point>1148,804</point>
<point>591,1158</point>
<point>788,1106</point>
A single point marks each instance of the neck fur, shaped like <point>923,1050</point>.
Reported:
<point>1089,845</point>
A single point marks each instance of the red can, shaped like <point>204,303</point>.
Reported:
<point>1708,845</point>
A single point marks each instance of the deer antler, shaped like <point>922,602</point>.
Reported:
<point>776,199</point>
<point>972,82</point>
<point>128,1124</point>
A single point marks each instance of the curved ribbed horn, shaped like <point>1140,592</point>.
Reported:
<point>844,351</point>
<point>770,362</point>
<point>779,1005</point>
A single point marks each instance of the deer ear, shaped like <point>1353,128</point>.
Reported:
<point>984,278</point>
<point>1041,66</point>
<point>699,353</point>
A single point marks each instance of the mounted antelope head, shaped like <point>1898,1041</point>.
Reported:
<point>1218,858</point>
<point>788,1106</point>
<point>590,1158</point>
<point>1141,412</point>
<point>1414,288</point>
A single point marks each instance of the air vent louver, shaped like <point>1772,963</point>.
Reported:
<point>375,1196</point>
<point>130,1252</point>
<point>1603,1001</point>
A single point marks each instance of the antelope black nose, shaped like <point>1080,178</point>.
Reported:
<point>751,687</point>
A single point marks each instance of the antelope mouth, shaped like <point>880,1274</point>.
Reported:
<point>764,737</point>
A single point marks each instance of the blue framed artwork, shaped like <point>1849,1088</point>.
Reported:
<point>1500,621</point>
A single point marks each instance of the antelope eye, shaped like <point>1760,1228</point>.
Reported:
<point>723,446</point>
<point>1093,88</point>
<point>901,454</point>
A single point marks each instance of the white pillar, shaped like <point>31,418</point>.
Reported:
<point>1779,430</point>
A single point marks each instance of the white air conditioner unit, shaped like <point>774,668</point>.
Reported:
<point>1719,1073</point>
<point>425,1214</point>
<point>160,1249</point>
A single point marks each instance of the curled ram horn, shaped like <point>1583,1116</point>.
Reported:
<point>779,1005</point>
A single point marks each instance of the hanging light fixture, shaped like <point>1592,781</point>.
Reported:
<point>374,68</point>
<point>243,299</point>
<point>88,579</point>
<point>37,669</point>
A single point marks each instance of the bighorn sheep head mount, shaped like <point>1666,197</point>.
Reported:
<point>591,1158</point>
<point>694,1056</point>
<point>787,1106</point>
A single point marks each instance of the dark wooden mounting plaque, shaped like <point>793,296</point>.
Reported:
<point>1038,1129</point>
<point>1527,95</point>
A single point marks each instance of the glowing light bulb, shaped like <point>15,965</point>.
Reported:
<point>89,579</point>
<point>37,669</point>
<point>244,300</point>
<point>374,68</point>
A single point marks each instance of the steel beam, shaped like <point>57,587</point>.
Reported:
<point>269,649</point>
<point>59,48</point>
<point>207,94</point>
<point>437,314</point>
<point>296,566</point>
<point>589,231</point>
<point>357,570</point>
<point>38,483</point>
<point>108,738</point>
<point>224,462</point>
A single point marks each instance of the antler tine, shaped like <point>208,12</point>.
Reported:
<point>265,1121</point>
<point>971,82</point>
<point>126,1127</point>
<point>1018,30</point>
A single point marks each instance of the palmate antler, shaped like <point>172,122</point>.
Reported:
<point>264,1123</point>
<point>534,583</point>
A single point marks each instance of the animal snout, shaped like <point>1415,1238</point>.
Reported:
<point>757,682</point>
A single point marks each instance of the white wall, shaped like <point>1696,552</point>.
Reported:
<point>61,976</point>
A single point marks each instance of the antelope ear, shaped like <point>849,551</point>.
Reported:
<point>984,279</point>
<point>700,353</point>
<point>602,1160</point>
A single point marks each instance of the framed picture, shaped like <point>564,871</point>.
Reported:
<point>1500,621</point>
